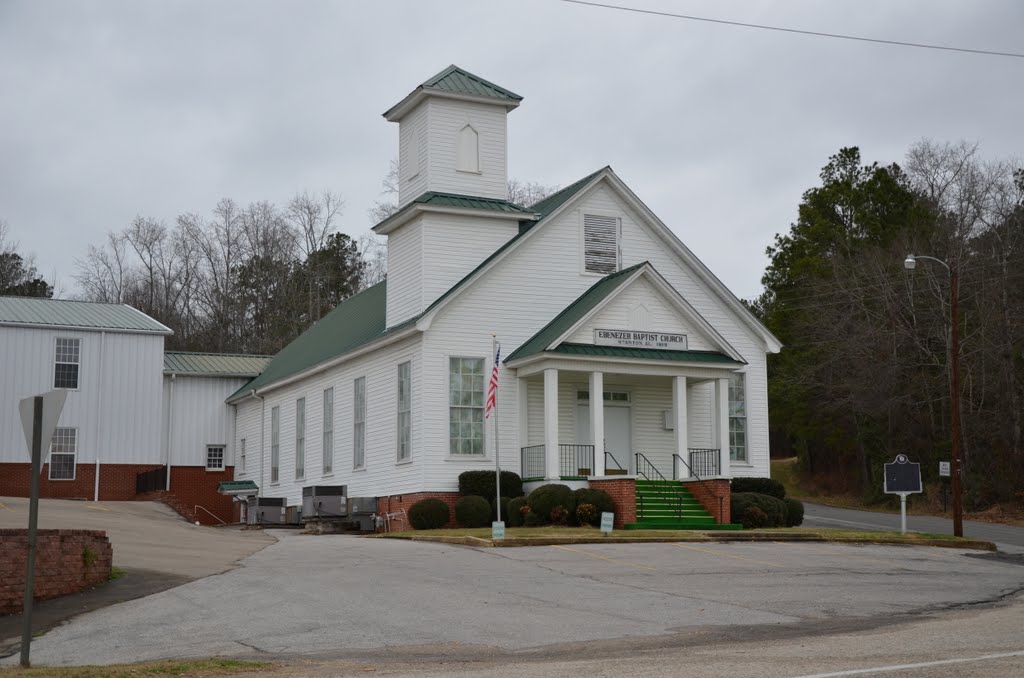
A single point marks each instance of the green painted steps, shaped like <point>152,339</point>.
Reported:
<point>664,505</point>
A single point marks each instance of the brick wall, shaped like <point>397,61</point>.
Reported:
<point>623,493</point>
<point>398,502</point>
<point>194,485</point>
<point>67,561</point>
<point>709,492</point>
<point>117,481</point>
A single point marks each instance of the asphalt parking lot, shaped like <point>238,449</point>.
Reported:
<point>340,597</point>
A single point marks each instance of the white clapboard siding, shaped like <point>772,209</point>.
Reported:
<point>659,314</point>
<point>383,474</point>
<point>405,272</point>
<point>447,118</point>
<point>199,417</point>
<point>117,407</point>
<point>412,154</point>
<point>248,414</point>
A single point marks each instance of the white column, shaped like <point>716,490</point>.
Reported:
<point>681,427</point>
<point>551,424</point>
<point>597,421</point>
<point>722,417</point>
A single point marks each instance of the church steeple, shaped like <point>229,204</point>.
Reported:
<point>453,136</point>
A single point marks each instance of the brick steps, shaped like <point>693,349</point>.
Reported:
<point>664,505</point>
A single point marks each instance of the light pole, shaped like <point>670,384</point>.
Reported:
<point>954,386</point>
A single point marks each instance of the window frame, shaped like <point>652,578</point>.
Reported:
<point>77,363</point>
<point>241,454</point>
<point>458,150</point>
<point>327,435</point>
<point>583,240</point>
<point>745,417</point>
<point>359,423</point>
<point>403,423</point>
<point>73,454</point>
<point>223,455</point>
<point>300,438</point>
<point>482,407</point>
<point>275,444</point>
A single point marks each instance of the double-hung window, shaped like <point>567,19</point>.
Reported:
<point>737,417</point>
<point>275,444</point>
<point>300,438</point>
<point>404,411</point>
<point>214,457</point>
<point>328,455</point>
<point>466,406</point>
<point>241,454</point>
<point>63,450</point>
<point>600,243</point>
<point>65,366</point>
<point>359,423</point>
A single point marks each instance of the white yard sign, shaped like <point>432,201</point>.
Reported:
<point>640,339</point>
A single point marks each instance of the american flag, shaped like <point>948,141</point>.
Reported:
<point>492,388</point>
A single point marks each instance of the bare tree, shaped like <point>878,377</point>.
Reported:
<point>105,273</point>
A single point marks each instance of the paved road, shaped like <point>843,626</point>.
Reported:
<point>146,535</point>
<point>339,597</point>
<point>1009,538</point>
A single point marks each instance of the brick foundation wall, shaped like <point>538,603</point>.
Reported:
<point>623,493</point>
<point>393,503</point>
<point>117,481</point>
<point>708,492</point>
<point>67,561</point>
<point>194,485</point>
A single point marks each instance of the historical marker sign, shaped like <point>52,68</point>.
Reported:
<point>902,476</point>
<point>665,341</point>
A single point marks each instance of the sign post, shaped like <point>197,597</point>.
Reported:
<point>902,477</point>
<point>39,415</point>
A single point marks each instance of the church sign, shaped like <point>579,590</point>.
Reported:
<point>640,339</point>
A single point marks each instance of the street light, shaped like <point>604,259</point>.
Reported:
<point>954,386</point>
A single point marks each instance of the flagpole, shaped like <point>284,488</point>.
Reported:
<point>497,464</point>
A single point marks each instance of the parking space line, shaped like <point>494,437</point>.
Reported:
<point>907,667</point>
<point>726,555</point>
<point>97,508</point>
<point>610,560</point>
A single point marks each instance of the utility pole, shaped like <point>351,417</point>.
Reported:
<point>954,399</point>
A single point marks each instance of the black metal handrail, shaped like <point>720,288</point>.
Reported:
<point>617,464</point>
<point>575,460</point>
<point>675,468</point>
<point>705,461</point>
<point>532,461</point>
<point>650,472</point>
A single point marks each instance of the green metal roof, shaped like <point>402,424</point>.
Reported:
<point>77,314</point>
<point>354,322</point>
<point>237,487</point>
<point>573,313</point>
<point>214,364</point>
<point>646,353</point>
<point>468,202</point>
<point>558,198</point>
<point>454,79</point>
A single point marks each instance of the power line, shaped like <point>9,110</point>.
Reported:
<point>840,36</point>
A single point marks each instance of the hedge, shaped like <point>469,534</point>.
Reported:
<point>599,499</point>
<point>772,488</point>
<point>504,509</point>
<point>794,512</point>
<point>774,508</point>
<point>472,512</point>
<point>429,514</point>
<point>546,497</point>
<point>481,484</point>
<point>515,512</point>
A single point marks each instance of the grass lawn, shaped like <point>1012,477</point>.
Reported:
<point>164,669</point>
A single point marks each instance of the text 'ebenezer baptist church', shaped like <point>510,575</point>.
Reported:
<point>623,356</point>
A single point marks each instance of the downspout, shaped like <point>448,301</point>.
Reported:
<point>170,430</point>
<point>99,418</point>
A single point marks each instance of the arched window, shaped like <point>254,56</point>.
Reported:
<point>467,158</point>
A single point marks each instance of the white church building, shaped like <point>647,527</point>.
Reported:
<point>624,358</point>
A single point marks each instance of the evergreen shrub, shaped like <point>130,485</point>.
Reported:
<point>767,486</point>
<point>481,484</point>
<point>429,514</point>
<point>773,508</point>
<point>599,499</point>
<point>515,512</point>
<point>547,497</point>
<point>794,512</point>
<point>472,512</point>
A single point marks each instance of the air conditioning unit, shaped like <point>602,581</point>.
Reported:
<point>265,511</point>
<point>325,501</point>
<point>362,511</point>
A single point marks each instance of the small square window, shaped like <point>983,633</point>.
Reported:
<point>215,458</point>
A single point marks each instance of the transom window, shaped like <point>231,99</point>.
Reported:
<point>63,450</point>
<point>600,243</point>
<point>737,417</point>
<point>404,411</point>
<point>609,396</point>
<point>215,458</point>
<point>65,369</point>
<point>466,406</point>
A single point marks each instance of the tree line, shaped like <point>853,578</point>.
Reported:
<point>864,374</point>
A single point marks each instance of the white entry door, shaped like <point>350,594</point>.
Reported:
<point>617,434</point>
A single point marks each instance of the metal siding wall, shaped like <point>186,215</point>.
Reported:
<point>201,417</point>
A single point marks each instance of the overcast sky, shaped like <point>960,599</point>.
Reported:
<point>118,108</point>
